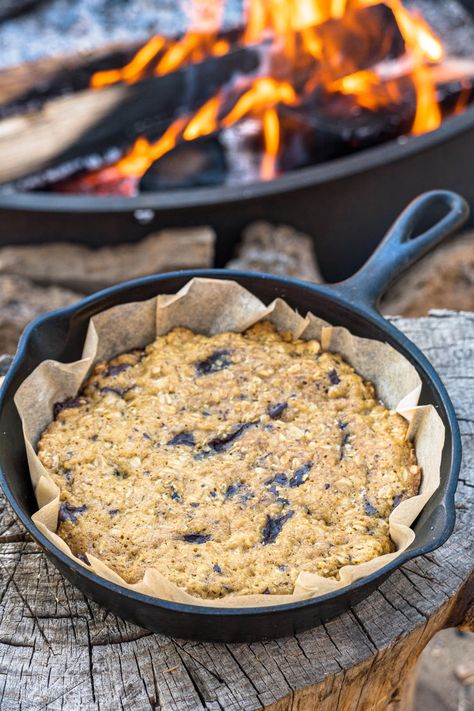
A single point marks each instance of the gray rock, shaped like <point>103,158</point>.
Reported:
<point>87,270</point>
<point>20,302</point>
<point>277,249</point>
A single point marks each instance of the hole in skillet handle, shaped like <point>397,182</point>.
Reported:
<point>426,221</point>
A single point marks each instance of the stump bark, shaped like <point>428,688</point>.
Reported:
<point>59,650</point>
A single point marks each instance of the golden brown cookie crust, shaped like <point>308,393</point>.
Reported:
<point>228,463</point>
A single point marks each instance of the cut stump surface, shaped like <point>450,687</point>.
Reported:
<point>59,650</point>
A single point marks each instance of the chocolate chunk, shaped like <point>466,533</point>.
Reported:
<point>396,500</point>
<point>266,591</point>
<point>176,497</point>
<point>282,501</point>
<point>196,538</point>
<point>223,442</point>
<point>369,509</point>
<point>117,391</point>
<point>213,494</point>
<point>68,512</point>
<point>68,404</point>
<point>300,475</point>
<point>281,479</point>
<point>275,410</point>
<point>113,370</point>
<point>213,363</point>
<point>327,486</point>
<point>83,557</point>
<point>342,425</point>
<point>273,489</point>
<point>184,438</point>
<point>333,377</point>
<point>217,568</point>
<point>113,512</point>
<point>232,489</point>
<point>194,505</point>
<point>120,474</point>
<point>247,496</point>
<point>344,441</point>
<point>273,527</point>
<point>283,568</point>
<point>146,436</point>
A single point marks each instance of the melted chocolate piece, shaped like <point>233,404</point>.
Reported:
<point>68,512</point>
<point>369,509</point>
<point>120,474</point>
<point>113,370</point>
<point>300,475</point>
<point>182,438</point>
<point>213,363</point>
<point>273,527</point>
<point>281,479</point>
<point>83,557</point>
<point>344,441</point>
<point>117,391</point>
<point>232,489</point>
<point>275,410</point>
<point>327,486</point>
<point>196,538</point>
<point>333,377</point>
<point>223,442</point>
<point>217,568</point>
<point>68,404</point>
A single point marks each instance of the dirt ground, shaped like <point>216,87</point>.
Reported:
<point>446,673</point>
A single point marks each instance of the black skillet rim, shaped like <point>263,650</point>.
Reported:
<point>409,349</point>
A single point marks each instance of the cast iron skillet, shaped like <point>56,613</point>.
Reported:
<point>60,335</point>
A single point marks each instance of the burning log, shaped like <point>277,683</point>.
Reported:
<point>199,163</point>
<point>90,122</point>
<point>25,88</point>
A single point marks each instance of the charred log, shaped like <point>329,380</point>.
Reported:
<point>194,164</point>
<point>90,122</point>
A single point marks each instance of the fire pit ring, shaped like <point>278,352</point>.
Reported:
<point>343,204</point>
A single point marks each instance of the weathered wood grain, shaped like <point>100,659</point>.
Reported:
<point>60,651</point>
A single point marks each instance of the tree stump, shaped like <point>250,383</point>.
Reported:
<point>59,650</point>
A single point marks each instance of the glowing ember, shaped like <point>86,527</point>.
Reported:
<point>307,46</point>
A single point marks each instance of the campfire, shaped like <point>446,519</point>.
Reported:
<point>303,82</point>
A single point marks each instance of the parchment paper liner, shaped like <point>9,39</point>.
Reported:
<point>212,306</point>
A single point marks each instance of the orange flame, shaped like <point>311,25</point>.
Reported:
<point>271,137</point>
<point>144,153</point>
<point>297,30</point>
<point>133,71</point>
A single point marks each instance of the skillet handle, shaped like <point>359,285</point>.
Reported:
<point>402,246</point>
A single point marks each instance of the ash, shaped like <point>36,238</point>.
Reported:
<point>451,21</point>
<point>64,27</point>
